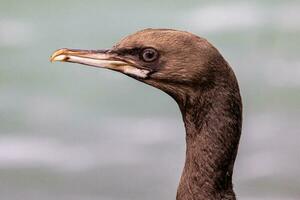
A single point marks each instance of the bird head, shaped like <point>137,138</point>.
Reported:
<point>171,60</point>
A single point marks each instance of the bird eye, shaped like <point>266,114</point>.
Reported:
<point>149,55</point>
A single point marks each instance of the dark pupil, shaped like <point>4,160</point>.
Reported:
<point>149,55</point>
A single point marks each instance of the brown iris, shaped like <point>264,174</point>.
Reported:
<point>149,55</point>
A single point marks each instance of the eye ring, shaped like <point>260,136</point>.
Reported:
<point>149,55</point>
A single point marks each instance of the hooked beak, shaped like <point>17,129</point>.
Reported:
<point>102,59</point>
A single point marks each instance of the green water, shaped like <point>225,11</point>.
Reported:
<point>72,132</point>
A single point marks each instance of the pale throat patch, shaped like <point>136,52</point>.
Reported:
<point>141,73</point>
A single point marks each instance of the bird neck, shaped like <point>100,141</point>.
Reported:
<point>212,121</point>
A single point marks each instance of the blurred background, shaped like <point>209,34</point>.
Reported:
<point>69,132</point>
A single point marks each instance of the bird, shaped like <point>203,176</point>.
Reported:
<point>194,73</point>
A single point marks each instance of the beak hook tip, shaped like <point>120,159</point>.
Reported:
<point>59,55</point>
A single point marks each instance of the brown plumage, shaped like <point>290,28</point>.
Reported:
<point>195,74</point>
